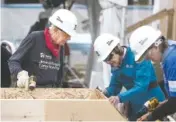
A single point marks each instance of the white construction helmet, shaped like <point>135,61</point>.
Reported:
<point>65,20</point>
<point>10,44</point>
<point>142,38</point>
<point>104,44</point>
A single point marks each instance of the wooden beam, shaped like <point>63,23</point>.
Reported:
<point>149,19</point>
<point>78,110</point>
<point>22,110</point>
<point>170,26</point>
<point>51,93</point>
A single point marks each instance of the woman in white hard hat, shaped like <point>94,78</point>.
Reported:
<point>150,43</point>
<point>39,52</point>
<point>139,80</point>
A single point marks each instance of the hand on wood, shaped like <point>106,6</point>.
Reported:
<point>114,100</point>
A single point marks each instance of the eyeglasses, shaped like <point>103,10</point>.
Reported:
<point>110,56</point>
<point>64,34</point>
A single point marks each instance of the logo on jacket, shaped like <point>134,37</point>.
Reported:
<point>44,56</point>
<point>129,66</point>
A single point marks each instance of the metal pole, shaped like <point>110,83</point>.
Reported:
<point>123,23</point>
<point>93,11</point>
<point>2,2</point>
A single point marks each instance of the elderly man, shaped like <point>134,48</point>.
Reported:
<point>38,53</point>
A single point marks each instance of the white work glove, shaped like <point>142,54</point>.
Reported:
<point>23,78</point>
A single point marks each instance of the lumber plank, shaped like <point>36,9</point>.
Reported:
<point>81,110</point>
<point>51,93</point>
<point>22,110</point>
<point>160,15</point>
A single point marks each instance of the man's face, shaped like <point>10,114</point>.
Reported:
<point>115,60</point>
<point>59,37</point>
<point>154,54</point>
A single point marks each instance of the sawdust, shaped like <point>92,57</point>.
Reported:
<point>51,93</point>
<point>15,94</point>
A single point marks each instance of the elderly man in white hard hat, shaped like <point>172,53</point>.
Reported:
<point>39,52</point>
<point>138,78</point>
<point>150,43</point>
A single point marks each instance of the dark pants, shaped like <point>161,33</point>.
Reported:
<point>161,84</point>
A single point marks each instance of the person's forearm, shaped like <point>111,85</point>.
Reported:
<point>165,109</point>
<point>161,103</point>
<point>131,93</point>
<point>14,67</point>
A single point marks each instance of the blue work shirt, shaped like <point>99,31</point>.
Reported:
<point>169,68</point>
<point>135,77</point>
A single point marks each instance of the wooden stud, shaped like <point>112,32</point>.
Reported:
<point>147,20</point>
<point>158,16</point>
<point>170,25</point>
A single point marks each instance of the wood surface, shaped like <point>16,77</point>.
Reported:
<point>51,93</point>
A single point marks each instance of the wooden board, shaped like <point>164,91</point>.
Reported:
<point>22,110</point>
<point>56,105</point>
<point>158,16</point>
<point>147,20</point>
<point>82,110</point>
<point>59,110</point>
<point>51,93</point>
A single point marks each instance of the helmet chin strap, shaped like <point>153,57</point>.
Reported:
<point>124,52</point>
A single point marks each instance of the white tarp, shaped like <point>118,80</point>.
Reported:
<point>110,22</point>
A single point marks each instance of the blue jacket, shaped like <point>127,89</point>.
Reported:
<point>169,68</point>
<point>135,77</point>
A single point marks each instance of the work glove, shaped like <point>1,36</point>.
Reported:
<point>23,78</point>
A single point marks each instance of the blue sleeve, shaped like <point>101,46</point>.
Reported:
<point>169,67</point>
<point>115,86</point>
<point>142,81</point>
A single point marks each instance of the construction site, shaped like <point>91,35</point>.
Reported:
<point>64,80</point>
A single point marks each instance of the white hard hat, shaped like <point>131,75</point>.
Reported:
<point>104,44</point>
<point>12,46</point>
<point>142,38</point>
<point>65,20</point>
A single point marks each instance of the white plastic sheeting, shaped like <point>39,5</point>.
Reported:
<point>110,22</point>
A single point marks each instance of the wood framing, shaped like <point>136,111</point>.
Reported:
<point>51,93</point>
<point>59,110</point>
<point>56,105</point>
<point>170,25</point>
<point>148,20</point>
